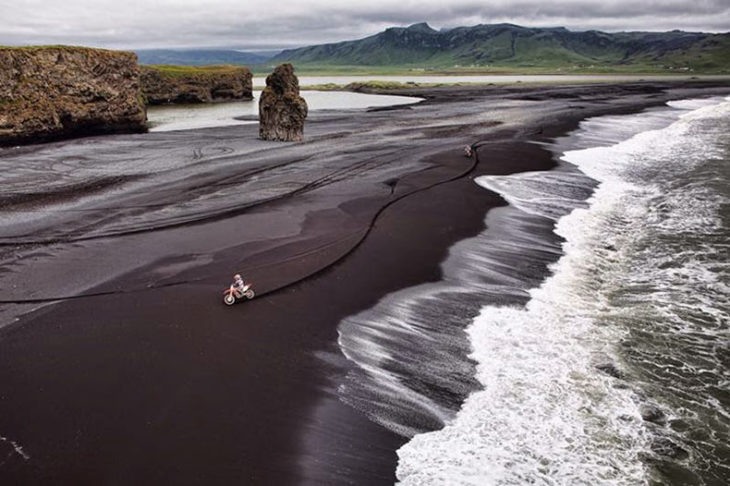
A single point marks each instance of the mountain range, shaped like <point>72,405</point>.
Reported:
<point>512,46</point>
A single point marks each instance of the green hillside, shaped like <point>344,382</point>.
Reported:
<point>511,47</point>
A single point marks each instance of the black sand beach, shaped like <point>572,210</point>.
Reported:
<point>142,375</point>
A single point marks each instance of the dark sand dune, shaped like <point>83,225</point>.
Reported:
<point>138,373</point>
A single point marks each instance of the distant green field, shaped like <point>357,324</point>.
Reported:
<point>346,70</point>
<point>378,85</point>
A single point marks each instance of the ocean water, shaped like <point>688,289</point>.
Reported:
<point>166,118</point>
<point>615,368</point>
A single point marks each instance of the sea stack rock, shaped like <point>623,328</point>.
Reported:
<point>57,92</point>
<point>281,110</point>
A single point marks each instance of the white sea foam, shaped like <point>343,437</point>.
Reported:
<point>546,414</point>
<point>410,349</point>
<point>548,194</point>
<point>17,449</point>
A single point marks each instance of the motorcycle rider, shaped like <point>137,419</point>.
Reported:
<point>238,283</point>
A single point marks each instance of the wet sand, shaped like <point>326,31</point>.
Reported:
<point>142,375</point>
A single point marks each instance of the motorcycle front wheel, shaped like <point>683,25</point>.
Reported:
<point>229,299</point>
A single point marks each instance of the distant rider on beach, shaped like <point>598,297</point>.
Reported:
<point>238,283</point>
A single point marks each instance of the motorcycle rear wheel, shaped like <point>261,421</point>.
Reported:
<point>249,294</point>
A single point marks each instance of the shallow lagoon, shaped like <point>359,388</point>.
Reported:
<point>187,117</point>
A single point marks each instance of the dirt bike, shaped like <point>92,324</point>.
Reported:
<point>233,294</point>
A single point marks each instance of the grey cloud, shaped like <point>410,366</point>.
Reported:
<point>244,24</point>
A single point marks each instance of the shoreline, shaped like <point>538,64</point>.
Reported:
<point>173,372</point>
<point>381,84</point>
<point>582,351</point>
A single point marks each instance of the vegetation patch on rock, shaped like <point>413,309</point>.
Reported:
<point>195,84</point>
<point>51,92</point>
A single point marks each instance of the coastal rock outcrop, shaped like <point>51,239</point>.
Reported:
<point>57,92</point>
<point>195,84</point>
<point>281,110</point>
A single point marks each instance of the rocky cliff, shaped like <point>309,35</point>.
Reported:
<point>57,92</point>
<point>281,110</point>
<point>187,84</point>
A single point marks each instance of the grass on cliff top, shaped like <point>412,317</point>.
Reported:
<point>179,71</point>
<point>60,47</point>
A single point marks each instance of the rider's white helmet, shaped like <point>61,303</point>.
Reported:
<point>236,277</point>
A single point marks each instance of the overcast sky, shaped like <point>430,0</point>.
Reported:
<point>287,23</point>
